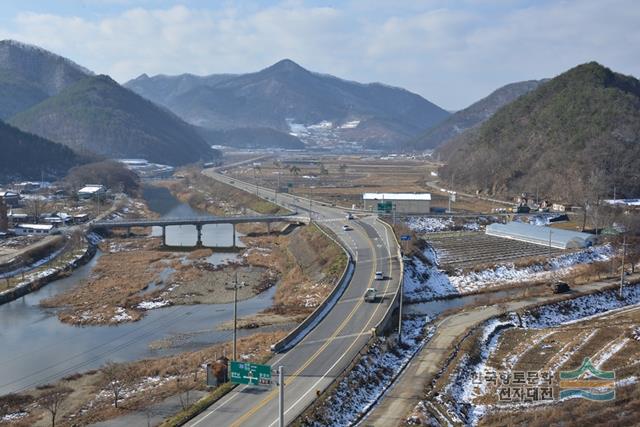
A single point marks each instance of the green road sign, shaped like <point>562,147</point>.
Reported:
<point>385,207</point>
<point>250,373</point>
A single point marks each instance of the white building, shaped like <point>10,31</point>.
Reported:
<point>402,203</point>
<point>26,229</point>
<point>92,192</point>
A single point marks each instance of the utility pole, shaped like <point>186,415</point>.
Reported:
<point>280,396</point>
<point>624,253</point>
<point>235,315</point>
<point>550,231</point>
<point>400,309</point>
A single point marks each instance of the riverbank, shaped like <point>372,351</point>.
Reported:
<point>63,266</point>
<point>89,398</point>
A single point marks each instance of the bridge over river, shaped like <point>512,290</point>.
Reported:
<point>198,222</point>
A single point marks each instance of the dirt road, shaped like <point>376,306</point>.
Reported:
<point>409,387</point>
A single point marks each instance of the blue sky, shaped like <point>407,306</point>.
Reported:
<point>450,52</point>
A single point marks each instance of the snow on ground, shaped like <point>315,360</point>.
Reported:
<point>609,353</point>
<point>461,390</point>
<point>509,273</point>
<point>15,416</point>
<point>121,315</point>
<point>423,281</point>
<point>429,224</point>
<point>579,308</point>
<point>150,305</point>
<point>373,374</point>
<point>636,334</point>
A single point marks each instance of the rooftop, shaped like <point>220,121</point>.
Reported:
<point>396,196</point>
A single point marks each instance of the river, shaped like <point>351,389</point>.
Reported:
<point>37,348</point>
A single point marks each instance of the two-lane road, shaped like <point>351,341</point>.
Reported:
<point>328,349</point>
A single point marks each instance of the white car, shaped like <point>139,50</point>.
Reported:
<point>346,228</point>
<point>379,275</point>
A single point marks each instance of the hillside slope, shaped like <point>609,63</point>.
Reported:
<point>97,115</point>
<point>474,115</point>
<point>287,93</point>
<point>576,135</point>
<point>26,156</point>
<point>29,74</point>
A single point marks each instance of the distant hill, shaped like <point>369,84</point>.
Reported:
<point>97,115</point>
<point>251,138</point>
<point>474,115</point>
<point>575,135</point>
<point>29,74</point>
<point>287,93</point>
<point>26,156</point>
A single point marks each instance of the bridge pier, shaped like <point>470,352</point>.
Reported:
<point>164,235</point>
<point>268,228</point>
<point>233,244</point>
<point>199,230</point>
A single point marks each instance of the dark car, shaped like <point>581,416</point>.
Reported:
<point>560,287</point>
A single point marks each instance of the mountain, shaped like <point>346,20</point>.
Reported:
<point>29,75</point>
<point>98,115</point>
<point>286,93</point>
<point>27,156</point>
<point>575,135</point>
<point>474,115</point>
<point>251,138</point>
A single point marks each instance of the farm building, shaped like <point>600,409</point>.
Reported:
<point>10,198</point>
<point>92,192</point>
<point>24,229</point>
<point>402,203</point>
<point>547,236</point>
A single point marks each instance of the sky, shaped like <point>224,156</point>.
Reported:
<point>450,52</point>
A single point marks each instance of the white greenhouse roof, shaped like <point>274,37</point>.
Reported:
<point>561,239</point>
<point>35,226</point>
<point>396,196</point>
<point>90,189</point>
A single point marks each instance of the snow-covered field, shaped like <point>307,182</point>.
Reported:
<point>424,281</point>
<point>435,224</point>
<point>371,377</point>
<point>461,390</point>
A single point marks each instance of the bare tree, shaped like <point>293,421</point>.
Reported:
<point>343,169</point>
<point>184,389</point>
<point>295,170</point>
<point>52,399</point>
<point>118,376</point>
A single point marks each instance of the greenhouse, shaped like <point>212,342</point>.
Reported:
<point>547,236</point>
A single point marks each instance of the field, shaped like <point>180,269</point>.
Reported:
<point>472,249</point>
<point>612,342</point>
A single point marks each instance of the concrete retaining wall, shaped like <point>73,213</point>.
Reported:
<point>321,311</point>
<point>26,288</point>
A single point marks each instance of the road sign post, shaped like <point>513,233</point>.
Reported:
<point>249,373</point>
<point>281,397</point>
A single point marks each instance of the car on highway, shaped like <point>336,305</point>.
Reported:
<point>346,228</point>
<point>349,215</point>
<point>379,275</point>
<point>370,295</point>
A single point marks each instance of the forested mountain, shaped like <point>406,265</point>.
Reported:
<point>28,75</point>
<point>474,115</point>
<point>286,93</point>
<point>573,138</point>
<point>97,115</point>
<point>27,156</point>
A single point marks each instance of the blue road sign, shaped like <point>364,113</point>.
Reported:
<point>405,237</point>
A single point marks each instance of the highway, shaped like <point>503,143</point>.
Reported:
<point>328,349</point>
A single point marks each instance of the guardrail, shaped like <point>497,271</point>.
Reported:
<point>384,322</point>
<point>301,331</point>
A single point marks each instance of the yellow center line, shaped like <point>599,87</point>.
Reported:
<point>339,329</point>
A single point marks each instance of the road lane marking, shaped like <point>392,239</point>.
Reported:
<point>270,396</point>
